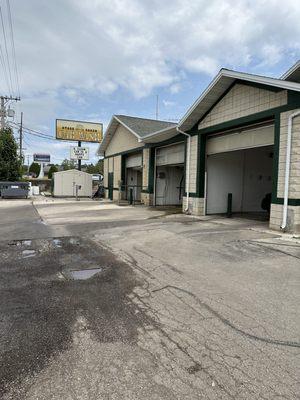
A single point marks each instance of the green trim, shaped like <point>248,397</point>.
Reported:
<point>291,202</point>
<point>184,163</point>
<point>275,156</point>
<point>193,195</point>
<point>135,150</point>
<point>123,168</point>
<point>110,185</point>
<point>201,165</point>
<point>294,99</point>
<point>294,102</point>
<point>106,188</point>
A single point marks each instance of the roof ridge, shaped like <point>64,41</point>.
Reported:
<point>147,119</point>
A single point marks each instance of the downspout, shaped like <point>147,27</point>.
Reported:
<point>188,167</point>
<point>287,169</point>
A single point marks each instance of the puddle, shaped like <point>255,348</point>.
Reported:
<point>28,253</point>
<point>26,242</point>
<point>57,242</point>
<point>60,276</point>
<point>15,243</point>
<point>74,241</point>
<point>83,274</point>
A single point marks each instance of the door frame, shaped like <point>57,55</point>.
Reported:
<point>111,185</point>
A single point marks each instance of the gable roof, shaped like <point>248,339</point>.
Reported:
<point>292,74</point>
<point>220,84</point>
<point>139,127</point>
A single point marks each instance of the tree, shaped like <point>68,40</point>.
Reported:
<point>67,164</point>
<point>95,169</point>
<point>35,169</point>
<point>52,169</point>
<point>10,165</point>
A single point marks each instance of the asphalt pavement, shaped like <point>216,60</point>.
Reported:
<point>106,302</point>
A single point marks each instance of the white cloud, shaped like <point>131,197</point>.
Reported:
<point>71,51</point>
<point>168,103</point>
<point>101,45</point>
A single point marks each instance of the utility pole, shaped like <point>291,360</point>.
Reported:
<point>3,101</point>
<point>21,137</point>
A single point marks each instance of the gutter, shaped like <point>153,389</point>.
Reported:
<point>188,167</point>
<point>287,169</point>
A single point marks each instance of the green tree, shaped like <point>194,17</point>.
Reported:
<point>67,164</point>
<point>52,169</point>
<point>10,165</point>
<point>35,168</point>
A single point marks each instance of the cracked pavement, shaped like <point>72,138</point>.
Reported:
<point>183,308</point>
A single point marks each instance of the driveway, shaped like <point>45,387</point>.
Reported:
<point>175,307</point>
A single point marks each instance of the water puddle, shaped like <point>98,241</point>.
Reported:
<point>83,274</point>
<point>28,253</point>
<point>74,241</point>
<point>26,242</point>
<point>57,242</point>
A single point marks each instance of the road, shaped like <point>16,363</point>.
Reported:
<point>175,307</point>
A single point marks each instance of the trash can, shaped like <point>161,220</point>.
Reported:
<point>14,190</point>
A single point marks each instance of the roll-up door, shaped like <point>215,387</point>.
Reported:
<point>134,160</point>
<point>170,155</point>
<point>256,137</point>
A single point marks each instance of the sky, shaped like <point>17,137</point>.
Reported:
<point>87,60</point>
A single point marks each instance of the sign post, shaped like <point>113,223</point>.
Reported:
<point>79,159</point>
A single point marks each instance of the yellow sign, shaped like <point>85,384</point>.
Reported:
<point>79,131</point>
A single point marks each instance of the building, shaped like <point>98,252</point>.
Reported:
<point>131,146</point>
<point>72,183</point>
<point>239,140</point>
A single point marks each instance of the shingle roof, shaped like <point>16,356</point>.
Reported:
<point>139,127</point>
<point>144,126</point>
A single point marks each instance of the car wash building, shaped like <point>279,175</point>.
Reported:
<point>144,161</point>
<point>244,148</point>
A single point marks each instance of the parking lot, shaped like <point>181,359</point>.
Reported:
<point>107,302</point>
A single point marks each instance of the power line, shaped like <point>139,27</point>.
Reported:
<point>13,46</point>
<point>6,51</point>
<point>4,69</point>
<point>34,132</point>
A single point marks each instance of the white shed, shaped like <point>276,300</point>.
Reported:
<point>65,183</point>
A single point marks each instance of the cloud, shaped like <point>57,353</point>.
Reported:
<point>101,46</point>
<point>168,103</point>
<point>77,58</point>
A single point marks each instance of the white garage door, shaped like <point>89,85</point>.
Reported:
<point>257,137</point>
<point>134,160</point>
<point>247,174</point>
<point>170,155</point>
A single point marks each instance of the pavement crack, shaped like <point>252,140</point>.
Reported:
<point>227,322</point>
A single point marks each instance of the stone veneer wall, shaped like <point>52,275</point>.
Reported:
<point>193,164</point>
<point>196,205</point>
<point>293,224</point>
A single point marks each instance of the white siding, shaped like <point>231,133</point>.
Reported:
<point>122,140</point>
